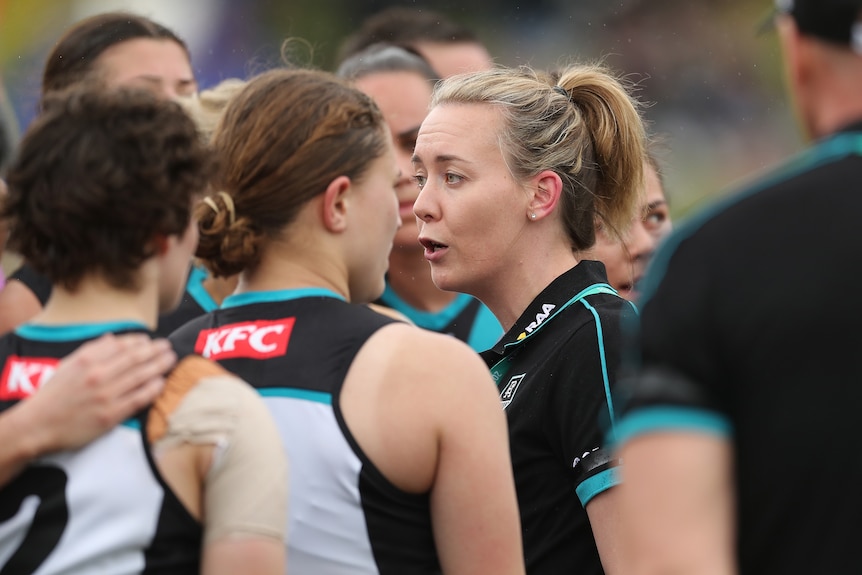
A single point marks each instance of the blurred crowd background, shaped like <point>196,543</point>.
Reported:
<point>712,82</point>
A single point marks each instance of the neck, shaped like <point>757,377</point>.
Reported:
<point>286,266</point>
<point>96,301</point>
<point>410,277</point>
<point>524,281</point>
<point>220,288</point>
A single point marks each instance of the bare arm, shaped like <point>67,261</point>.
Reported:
<point>604,514</point>
<point>436,425</point>
<point>94,389</point>
<point>229,556</point>
<point>677,505</point>
<point>473,501</point>
<point>218,447</point>
<point>17,305</point>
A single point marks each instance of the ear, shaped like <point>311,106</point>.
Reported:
<point>335,204</point>
<point>160,243</point>
<point>546,188</point>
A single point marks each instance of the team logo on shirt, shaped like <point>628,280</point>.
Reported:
<point>252,339</point>
<point>509,390</point>
<point>23,376</point>
<point>547,308</point>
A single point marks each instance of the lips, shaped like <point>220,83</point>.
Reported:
<point>434,250</point>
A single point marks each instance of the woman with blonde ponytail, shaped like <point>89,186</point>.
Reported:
<point>516,171</point>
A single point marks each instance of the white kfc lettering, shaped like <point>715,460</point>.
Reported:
<point>259,340</point>
<point>22,377</point>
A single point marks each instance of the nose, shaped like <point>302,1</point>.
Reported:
<point>425,207</point>
<point>639,241</point>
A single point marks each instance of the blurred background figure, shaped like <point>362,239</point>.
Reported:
<point>400,82</point>
<point>449,47</point>
<point>113,49</point>
<point>741,422</point>
<point>626,254</point>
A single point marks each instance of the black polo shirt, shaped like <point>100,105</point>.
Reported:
<point>751,328</point>
<point>555,370</point>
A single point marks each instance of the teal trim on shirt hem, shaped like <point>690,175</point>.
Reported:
<point>597,484</point>
<point>658,419</point>
<point>277,295</point>
<point>294,393</point>
<point>75,331</point>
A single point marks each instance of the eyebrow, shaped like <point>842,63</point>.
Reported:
<point>441,159</point>
<point>655,204</point>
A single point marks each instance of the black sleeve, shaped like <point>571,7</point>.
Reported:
<point>35,282</point>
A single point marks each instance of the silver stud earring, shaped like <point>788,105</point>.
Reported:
<point>532,215</point>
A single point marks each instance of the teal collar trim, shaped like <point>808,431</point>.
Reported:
<point>74,332</point>
<point>252,297</point>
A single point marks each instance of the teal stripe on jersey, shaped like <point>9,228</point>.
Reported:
<point>596,484</point>
<point>195,287</point>
<point>75,331</point>
<point>829,150</point>
<point>294,393</point>
<point>601,338</point>
<point>434,321</point>
<point>132,424</point>
<point>276,295</point>
<point>659,419</point>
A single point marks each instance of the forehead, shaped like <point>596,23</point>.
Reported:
<point>162,58</point>
<point>403,95</point>
<point>465,130</point>
<point>450,58</point>
<point>653,192</point>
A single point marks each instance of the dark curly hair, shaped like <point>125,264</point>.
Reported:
<point>101,176</point>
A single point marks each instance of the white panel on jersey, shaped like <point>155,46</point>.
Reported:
<point>114,502</point>
<point>327,534</point>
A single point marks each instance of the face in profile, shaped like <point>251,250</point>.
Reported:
<point>471,210</point>
<point>374,219</point>
<point>403,98</point>
<point>160,66</point>
<point>626,260</point>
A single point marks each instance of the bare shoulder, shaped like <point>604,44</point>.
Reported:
<point>440,366</point>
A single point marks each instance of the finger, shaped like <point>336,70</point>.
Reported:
<point>139,373</point>
<point>140,396</point>
<point>134,354</point>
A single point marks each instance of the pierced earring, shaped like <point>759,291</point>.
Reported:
<point>532,215</point>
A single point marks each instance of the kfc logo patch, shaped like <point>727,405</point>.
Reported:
<point>254,339</point>
<point>23,376</point>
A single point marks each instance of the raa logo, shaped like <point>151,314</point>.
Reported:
<point>547,308</point>
<point>509,390</point>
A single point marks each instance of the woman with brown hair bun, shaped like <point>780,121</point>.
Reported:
<point>398,452</point>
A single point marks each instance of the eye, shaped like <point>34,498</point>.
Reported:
<point>420,180</point>
<point>453,179</point>
<point>655,218</point>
